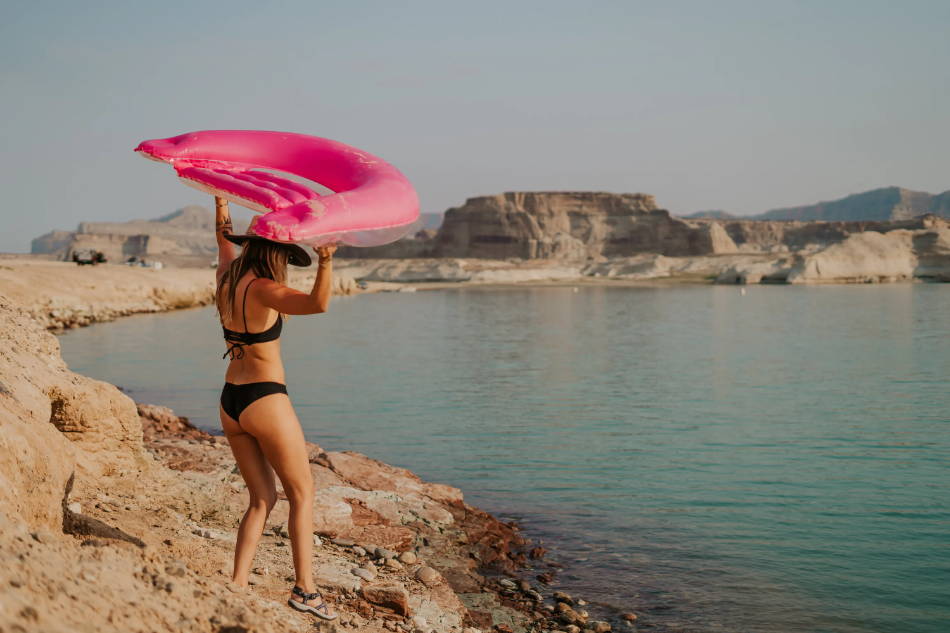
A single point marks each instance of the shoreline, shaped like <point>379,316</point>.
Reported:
<point>126,497</point>
<point>61,295</point>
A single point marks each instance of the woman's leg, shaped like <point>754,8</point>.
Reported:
<point>262,491</point>
<point>272,421</point>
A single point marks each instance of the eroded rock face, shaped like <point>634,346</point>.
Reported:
<point>570,226</point>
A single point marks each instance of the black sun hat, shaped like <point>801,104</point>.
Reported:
<point>297,255</point>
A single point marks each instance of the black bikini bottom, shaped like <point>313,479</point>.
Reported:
<point>236,398</point>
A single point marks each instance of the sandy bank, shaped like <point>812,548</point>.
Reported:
<point>62,295</point>
<point>106,527</point>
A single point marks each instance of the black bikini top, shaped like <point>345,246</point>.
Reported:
<point>238,340</point>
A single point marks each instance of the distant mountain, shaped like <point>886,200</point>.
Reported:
<point>715,214</point>
<point>887,203</point>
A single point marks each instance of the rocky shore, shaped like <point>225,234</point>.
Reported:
<point>121,517</point>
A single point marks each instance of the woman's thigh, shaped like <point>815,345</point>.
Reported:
<point>273,423</point>
<point>255,470</point>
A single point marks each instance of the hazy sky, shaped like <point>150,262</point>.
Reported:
<point>742,106</point>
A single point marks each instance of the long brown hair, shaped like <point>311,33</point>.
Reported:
<point>263,258</point>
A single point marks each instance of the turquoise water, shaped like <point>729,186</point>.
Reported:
<point>778,461</point>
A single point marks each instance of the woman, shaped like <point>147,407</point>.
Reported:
<point>256,414</point>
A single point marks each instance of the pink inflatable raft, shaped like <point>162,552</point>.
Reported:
<point>372,203</point>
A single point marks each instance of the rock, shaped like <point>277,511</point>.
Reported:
<point>598,626</point>
<point>563,225</point>
<point>365,574</point>
<point>393,563</point>
<point>75,507</point>
<point>629,616</point>
<point>860,258</point>
<point>407,557</point>
<point>359,551</point>
<point>428,576</point>
<point>391,597</point>
<point>368,565</point>
<point>419,622</point>
<point>581,602</point>
<point>342,542</point>
<point>560,596</point>
<point>471,629</point>
<point>382,552</point>
<point>508,583</point>
<point>317,542</point>
<point>572,628</point>
<point>534,595</point>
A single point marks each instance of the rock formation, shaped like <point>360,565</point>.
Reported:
<point>570,226</point>
<point>182,238</point>
<point>921,251</point>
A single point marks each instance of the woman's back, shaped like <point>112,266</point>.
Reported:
<point>252,334</point>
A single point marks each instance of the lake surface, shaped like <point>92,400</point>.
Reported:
<point>778,461</point>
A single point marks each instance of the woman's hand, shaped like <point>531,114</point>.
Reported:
<point>325,253</point>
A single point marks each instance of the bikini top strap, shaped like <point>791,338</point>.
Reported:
<point>244,303</point>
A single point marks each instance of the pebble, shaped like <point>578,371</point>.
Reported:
<point>392,562</point>
<point>629,617</point>
<point>254,579</point>
<point>342,542</point>
<point>359,551</point>
<point>261,571</point>
<point>365,574</point>
<point>534,595</point>
<point>316,541</point>
<point>382,552</point>
<point>471,629</point>
<point>524,585</point>
<point>408,558</point>
<point>419,622</point>
<point>572,628</point>
<point>428,576</point>
<point>584,614</point>
<point>599,626</point>
<point>510,584</point>
<point>560,596</point>
<point>370,566</point>
<point>75,507</point>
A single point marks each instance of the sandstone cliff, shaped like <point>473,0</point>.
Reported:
<point>921,251</point>
<point>571,226</point>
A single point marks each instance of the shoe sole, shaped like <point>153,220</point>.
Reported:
<point>299,606</point>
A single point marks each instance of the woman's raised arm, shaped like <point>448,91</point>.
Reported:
<point>290,301</point>
<point>222,227</point>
